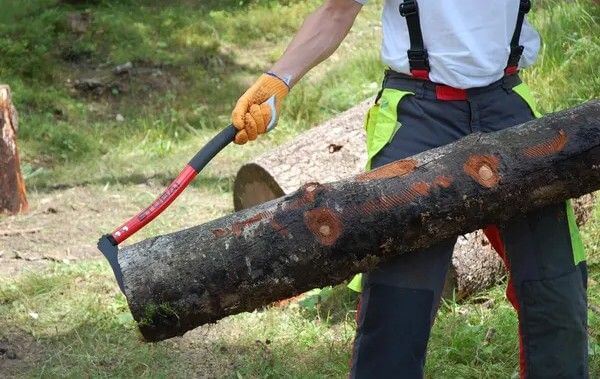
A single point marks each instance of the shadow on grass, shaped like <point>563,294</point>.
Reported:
<point>263,358</point>
<point>109,346</point>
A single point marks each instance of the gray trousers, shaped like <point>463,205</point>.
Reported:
<point>547,285</point>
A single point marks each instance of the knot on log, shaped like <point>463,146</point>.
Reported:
<point>324,224</point>
<point>485,173</point>
<point>443,181</point>
<point>306,195</point>
<point>483,169</point>
<point>334,148</point>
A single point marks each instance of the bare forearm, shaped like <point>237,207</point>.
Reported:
<point>319,36</point>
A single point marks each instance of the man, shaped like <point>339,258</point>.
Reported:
<point>453,71</point>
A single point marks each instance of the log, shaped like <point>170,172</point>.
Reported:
<point>584,208</point>
<point>12,186</point>
<point>475,267</point>
<point>327,153</point>
<point>323,233</point>
<point>336,150</point>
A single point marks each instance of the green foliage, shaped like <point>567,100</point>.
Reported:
<point>31,286</point>
<point>568,69</point>
<point>81,324</point>
<point>590,235</point>
<point>154,312</point>
<point>329,305</point>
<point>207,54</point>
<point>479,338</point>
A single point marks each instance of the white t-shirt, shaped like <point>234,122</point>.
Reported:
<point>468,41</point>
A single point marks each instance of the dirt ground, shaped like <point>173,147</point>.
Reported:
<point>18,350</point>
<point>64,225</point>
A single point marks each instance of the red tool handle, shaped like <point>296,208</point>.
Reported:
<point>160,204</point>
<point>201,159</point>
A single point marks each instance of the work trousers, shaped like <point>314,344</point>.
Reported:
<point>541,251</point>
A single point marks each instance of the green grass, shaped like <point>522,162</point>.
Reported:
<point>80,324</point>
<point>206,54</point>
<point>568,69</point>
<point>198,57</point>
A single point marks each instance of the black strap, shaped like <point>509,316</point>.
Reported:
<point>516,50</point>
<point>417,54</point>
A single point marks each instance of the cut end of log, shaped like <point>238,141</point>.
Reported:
<point>253,185</point>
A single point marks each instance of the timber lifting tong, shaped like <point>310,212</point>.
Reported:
<point>108,243</point>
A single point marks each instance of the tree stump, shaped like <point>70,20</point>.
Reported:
<point>324,233</point>
<point>336,150</point>
<point>12,186</point>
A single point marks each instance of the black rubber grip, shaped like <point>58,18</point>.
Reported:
<point>208,152</point>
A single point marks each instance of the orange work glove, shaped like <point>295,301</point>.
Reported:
<point>251,114</point>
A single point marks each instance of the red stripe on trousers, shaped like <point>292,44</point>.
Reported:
<point>493,234</point>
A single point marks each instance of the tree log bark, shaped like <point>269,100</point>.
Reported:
<point>324,233</point>
<point>12,186</point>
<point>336,150</point>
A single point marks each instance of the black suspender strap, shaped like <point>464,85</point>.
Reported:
<point>516,50</point>
<point>418,58</point>
<point>417,54</point>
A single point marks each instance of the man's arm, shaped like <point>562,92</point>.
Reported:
<point>320,35</point>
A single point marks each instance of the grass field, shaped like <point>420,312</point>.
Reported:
<point>191,60</point>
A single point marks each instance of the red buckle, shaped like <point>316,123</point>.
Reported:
<point>448,93</point>
<point>420,74</point>
<point>510,70</point>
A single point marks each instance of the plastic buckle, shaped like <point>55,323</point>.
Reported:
<point>525,6</point>
<point>418,59</point>
<point>408,8</point>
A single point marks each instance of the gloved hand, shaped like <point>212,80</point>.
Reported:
<point>251,114</point>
